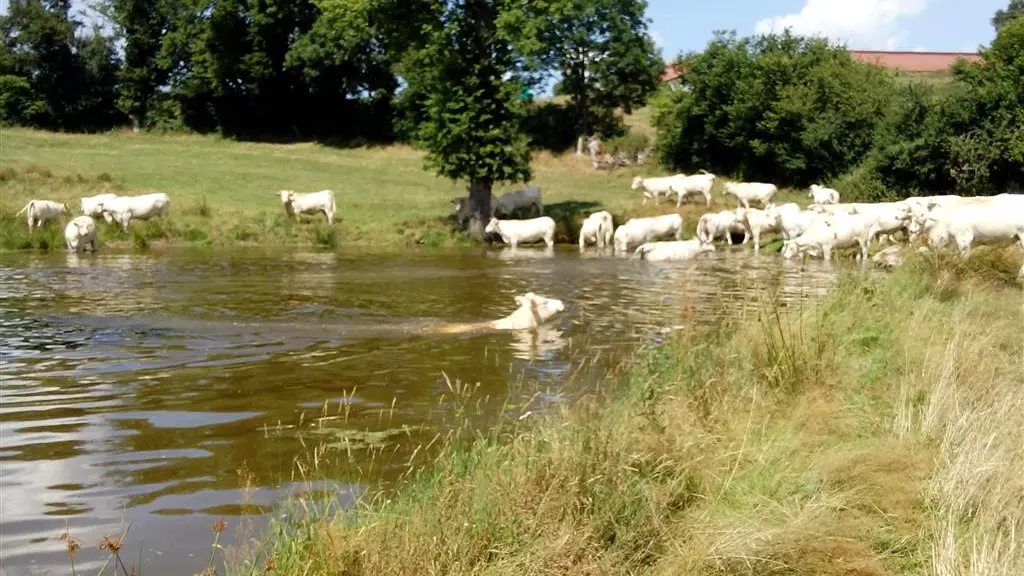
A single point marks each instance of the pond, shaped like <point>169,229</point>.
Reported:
<point>136,387</point>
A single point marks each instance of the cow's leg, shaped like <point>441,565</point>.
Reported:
<point>826,252</point>
<point>707,198</point>
<point>757,241</point>
<point>1021,238</point>
<point>963,244</point>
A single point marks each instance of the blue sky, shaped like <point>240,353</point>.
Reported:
<point>934,25</point>
<point>940,25</point>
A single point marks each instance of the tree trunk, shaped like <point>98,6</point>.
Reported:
<point>580,145</point>
<point>479,205</point>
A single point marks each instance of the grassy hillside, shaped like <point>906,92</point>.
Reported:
<point>877,432</point>
<point>224,192</point>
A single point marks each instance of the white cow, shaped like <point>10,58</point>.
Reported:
<point>886,217</point>
<point>830,231</point>
<point>39,212</point>
<point>747,192</point>
<point>321,202</point>
<point>80,231</point>
<point>514,232</point>
<point>769,220</point>
<point>655,188</point>
<point>674,250</point>
<point>598,228</point>
<point>642,230</point>
<point>920,206</point>
<point>821,195</point>
<point>534,310</point>
<point>123,209</point>
<point>794,223</point>
<point>692,185</point>
<point>990,221</point>
<point>721,225</point>
<point>93,205</point>
<point>509,203</point>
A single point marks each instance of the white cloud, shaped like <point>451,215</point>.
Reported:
<point>861,24</point>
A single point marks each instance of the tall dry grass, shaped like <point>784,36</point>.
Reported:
<point>878,431</point>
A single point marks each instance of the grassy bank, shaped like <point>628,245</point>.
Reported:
<point>224,192</point>
<point>878,431</point>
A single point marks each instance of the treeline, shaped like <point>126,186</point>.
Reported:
<point>797,111</point>
<point>324,69</point>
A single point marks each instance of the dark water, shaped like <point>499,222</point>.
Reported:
<point>136,387</point>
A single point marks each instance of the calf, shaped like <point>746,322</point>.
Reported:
<point>831,231</point>
<point>794,223</point>
<point>747,192</point>
<point>79,232</point>
<point>598,229</point>
<point>887,218</point>
<point>514,232</point>
<point>321,202</point>
<point>655,188</point>
<point>641,230</point>
<point>93,205</point>
<point>39,212</point>
<point>821,195</point>
<point>123,209</point>
<point>721,225</point>
<point>692,185</point>
<point>769,220</point>
<point>675,250</point>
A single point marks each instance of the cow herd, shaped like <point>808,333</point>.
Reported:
<point>825,226</point>
<point>80,231</point>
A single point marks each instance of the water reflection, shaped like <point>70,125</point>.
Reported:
<point>137,386</point>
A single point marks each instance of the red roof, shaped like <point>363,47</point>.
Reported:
<point>671,73</point>
<point>913,61</point>
<point>896,60</point>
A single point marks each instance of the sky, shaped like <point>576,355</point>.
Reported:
<point>933,25</point>
<point>936,25</point>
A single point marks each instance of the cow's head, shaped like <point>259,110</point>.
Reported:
<point>64,208</point>
<point>790,250</point>
<point>541,307</point>
<point>287,196</point>
<point>637,183</point>
<point>492,226</point>
<point>810,191</point>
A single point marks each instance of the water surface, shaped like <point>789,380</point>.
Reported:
<point>136,387</point>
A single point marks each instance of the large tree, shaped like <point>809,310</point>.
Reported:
<point>55,77</point>
<point>603,51</point>
<point>471,76</point>
<point>143,24</point>
<point>1003,17</point>
<point>781,108</point>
